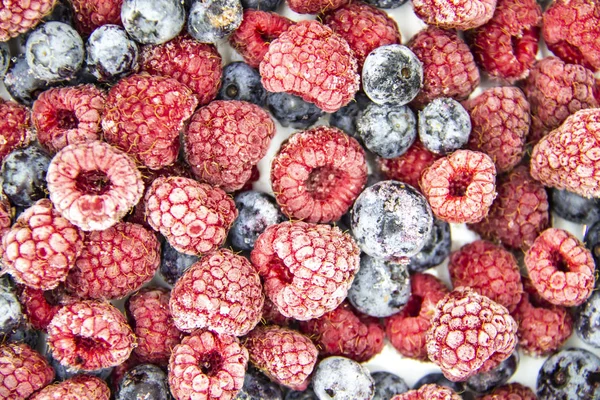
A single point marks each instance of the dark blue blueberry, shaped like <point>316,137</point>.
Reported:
<point>308,394</point>
<point>486,381</point>
<point>439,379</point>
<point>575,208</point>
<point>20,82</point>
<point>24,175</point>
<point>242,82</point>
<point>61,12</point>
<point>345,118</point>
<point>11,314</point>
<point>292,111</point>
<point>435,250</point>
<point>4,58</point>
<point>212,20</point>
<point>262,5</point>
<point>444,126</point>
<point>63,373</point>
<point>544,3</point>
<point>111,54</point>
<point>388,385</point>
<point>569,374</point>
<point>152,21</point>
<point>386,3</point>
<point>173,263</point>
<point>592,242</point>
<point>380,288</point>
<point>24,333</point>
<point>145,381</point>
<point>258,387</point>
<point>340,378</point>
<point>588,320</point>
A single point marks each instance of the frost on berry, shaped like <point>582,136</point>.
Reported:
<point>79,387</point>
<point>15,129</point>
<point>315,6</point>
<point>408,167</point>
<point>429,391</point>
<point>510,391</point>
<point>91,14</point>
<point>455,14</point>
<point>18,17</point>
<point>40,306</point>
<point>23,371</point>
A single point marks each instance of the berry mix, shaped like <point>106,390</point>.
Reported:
<point>277,200</point>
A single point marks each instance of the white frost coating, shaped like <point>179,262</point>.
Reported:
<point>152,21</point>
<point>110,47</point>
<point>339,378</point>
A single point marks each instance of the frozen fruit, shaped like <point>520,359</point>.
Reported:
<point>408,167</point>
<point>435,250</point>
<point>110,53</point>
<point>315,6</point>
<point>24,175</point>
<point>11,314</point>
<point>40,306</point>
<point>23,371</point>
<point>440,380</point>
<point>386,3</point>
<point>265,5</point>
<point>144,381</point>
<point>19,17</point>
<point>79,387</point>
<point>345,118</point>
<point>592,241</point>
<point>340,378</point>
<point>387,385</point>
<point>242,82</point>
<point>4,58</point>
<point>429,392</point>
<point>152,21</point>
<point>588,320</point>
<point>91,14</point>
<point>444,126</point>
<point>258,386</point>
<point>455,14</point>
<point>291,110</point>
<point>486,381</point>
<point>574,207</point>
<point>212,20</point>
<point>6,214</point>
<point>308,394</point>
<point>20,82</point>
<point>14,127</point>
<point>510,391</point>
<point>173,263</point>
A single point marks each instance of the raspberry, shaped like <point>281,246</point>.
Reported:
<point>257,30</point>
<point>489,270</point>
<point>449,69</point>
<point>312,61</point>
<point>469,334</point>
<point>461,186</point>
<point>345,332</point>
<point>90,335</point>
<point>221,292</point>
<point>68,115</point>
<point>561,268</point>
<point>408,167</point>
<point>41,247</point>
<point>285,356</point>
<point>114,262</point>
<point>194,217</point>
<point>500,122</point>
<point>23,371</point>
<point>510,391</point>
<point>455,14</point>
<point>91,14</point>
<point>14,127</point>
<point>568,158</point>
<point>430,391</point>
<point>78,387</point>
<point>209,366</point>
<point>318,174</point>
<point>364,27</point>
<point>518,214</point>
<point>306,268</point>
<point>315,6</point>
<point>93,185</point>
<point>6,214</point>
<point>18,17</point>
<point>407,329</point>
<point>225,139</point>
<point>143,116</point>
<point>272,316</point>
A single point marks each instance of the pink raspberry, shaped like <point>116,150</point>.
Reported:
<point>430,391</point>
<point>510,391</point>
<point>455,14</point>
<point>272,316</point>
<point>91,14</point>
<point>315,6</point>
<point>79,387</point>
<point>408,167</point>
<point>18,17</point>
<point>6,215</point>
<point>41,306</point>
<point>14,126</point>
<point>23,371</point>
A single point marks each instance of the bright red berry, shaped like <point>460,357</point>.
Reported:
<point>510,391</point>
<point>23,371</point>
<point>79,387</point>
<point>15,128</point>
<point>91,14</point>
<point>455,14</point>
<point>430,391</point>
<point>408,167</point>
<point>315,6</point>
<point>41,306</point>
<point>18,17</point>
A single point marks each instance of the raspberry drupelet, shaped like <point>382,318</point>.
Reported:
<point>23,371</point>
<point>40,306</point>
<point>19,17</point>
<point>91,14</point>
<point>79,387</point>
<point>455,14</point>
<point>14,127</point>
<point>317,174</point>
<point>430,391</point>
<point>510,391</point>
<point>408,167</point>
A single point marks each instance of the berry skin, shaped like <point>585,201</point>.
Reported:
<point>387,385</point>
<point>111,54</point>
<point>40,306</point>
<point>340,378</point>
<point>20,82</point>
<point>315,6</point>
<point>444,126</point>
<point>435,250</point>
<point>486,381</point>
<point>78,387</point>
<point>306,268</point>
<point>510,391</point>
<point>6,214</point>
<point>14,127</point>
<point>145,381</point>
<point>242,82</point>
<point>561,268</point>
<point>317,174</point>
<point>24,175</point>
<point>574,207</point>
<point>212,20</point>
<point>258,386</point>
<point>312,40</point>
<point>292,111</point>
<point>429,392</point>
<point>23,371</point>
<point>4,58</point>
<point>307,394</point>
<point>90,15</point>
<point>408,167</point>
<point>19,17</point>
<point>461,15</point>
<point>173,263</point>
<point>11,315</point>
<point>588,320</point>
<point>152,21</point>
<point>345,118</point>
<point>386,3</point>
<point>440,380</point>
<point>264,5</point>
<point>592,241</point>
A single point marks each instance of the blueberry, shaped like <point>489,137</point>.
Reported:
<point>588,320</point>
<point>144,381</point>
<point>340,378</point>
<point>258,387</point>
<point>20,82</point>
<point>444,126</point>
<point>262,5</point>
<point>242,82</point>
<point>439,379</point>
<point>212,20</point>
<point>24,333</point>
<point>111,54</point>
<point>392,74</point>
<point>435,250</point>
<point>569,374</point>
<point>345,118</point>
<point>380,288</point>
<point>308,394</point>
<point>152,21</point>
<point>173,263</point>
<point>4,58</point>
<point>11,314</point>
<point>575,208</point>
<point>387,385</point>
<point>292,111</point>
<point>24,175</point>
<point>63,372</point>
<point>386,3</point>
<point>592,242</point>
<point>62,12</point>
<point>486,381</point>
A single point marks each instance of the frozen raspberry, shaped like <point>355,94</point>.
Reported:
<point>449,69</point>
<point>6,215</point>
<point>345,332</point>
<point>207,366</point>
<point>510,391</point>
<point>455,14</point>
<point>429,392</point>
<point>14,127</point>
<point>91,14</point>
<point>364,27</point>
<point>257,30</point>
<point>272,316</point>
<point>285,356</point>
<point>79,387</point>
<point>143,116</point>
<point>68,115</point>
<point>93,185</point>
<point>460,187</point>
<point>23,371</point>
<point>489,270</point>
<point>318,173</point>
<point>306,268</point>
<point>407,329</point>
<point>40,306</point>
<point>315,6</point>
<point>221,292</point>
<point>408,167</point>
<point>90,335</point>
<point>323,69</point>
<point>225,139</point>
<point>194,217</point>
<point>518,214</point>
<point>18,17</point>
<point>571,29</point>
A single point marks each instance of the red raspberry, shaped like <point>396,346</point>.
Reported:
<point>285,356</point>
<point>318,174</point>
<point>429,392</point>
<point>225,139</point>
<point>312,61</point>
<point>364,27</point>
<point>315,6</point>
<point>114,262</point>
<point>41,306</point>
<point>469,334</point>
<point>518,214</point>
<point>500,122</point>
<point>571,29</point>
<point>14,127</point>
<point>194,217</point>
<point>569,156</point>
<point>194,64</point>
<point>17,16</point>
<point>23,371</point>
<point>68,115</point>
<point>79,387</point>
<point>257,30</point>
<point>91,14</point>
<point>408,167</point>
<point>556,90</point>
<point>143,116</point>
<point>345,332</point>
<point>461,186</point>
<point>306,268</point>
<point>449,69</point>
<point>93,185</point>
<point>510,391</point>
<point>221,292</point>
<point>561,268</point>
<point>207,366</point>
<point>272,316</point>
<point>407,329</point>
<point>455,14</point>
<point>90,335</point>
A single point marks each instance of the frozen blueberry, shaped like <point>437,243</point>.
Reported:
<point>380,288</point>
<point>486,381</point>
<point>11,314</point>
<point>435,250</point>
<point>588,320</point>
<point>64,372</point>
<point>387,385</point>
<point>24,175</point>
<point>242,82</point>
<point>444,126</point>
<point>592,242</point>
<point>144,381</point>
<point>24,333</point>
<point>212,20</point>
<point>152,21</point>
<point>292,111</point>
<point>20,82</point>
<point>392,74</point>
<point>574,208</point>
<point>257,386</point>
<point>340,378</point>
<point>569,374</point>
<point>262,5</point>
<point>62,12</point>
<point>4,58</point>
<point>173,263</point>
<point>111,54</point>
<point>308,394</point>
<point>439,379</point>
<point>345,118</point>
<point>386,3</point>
